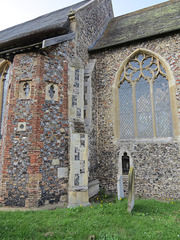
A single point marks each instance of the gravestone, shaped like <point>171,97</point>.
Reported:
<point>131,189</point>
<point>120,187</point>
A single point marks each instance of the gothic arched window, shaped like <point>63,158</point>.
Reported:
<point>144,99</point>
<point>4,75</point>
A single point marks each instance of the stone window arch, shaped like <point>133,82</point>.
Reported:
<point>144,98</point>
<point>4,75</point>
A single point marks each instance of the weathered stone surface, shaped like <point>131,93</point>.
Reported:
<point>120,188</point>
<point>55,162</point>
<point>131,195</point>
<point>63,172</point>
<point>78,176</point>
<point>93,187</point>
<point>67,96</point>
<point>64,198</point>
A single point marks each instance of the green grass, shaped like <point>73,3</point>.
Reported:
<point>150,219</point>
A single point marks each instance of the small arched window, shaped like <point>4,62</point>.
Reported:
<point>125,164</point>
<point>144,99</point>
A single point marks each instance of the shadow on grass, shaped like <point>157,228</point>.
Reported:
<point>151,206</point>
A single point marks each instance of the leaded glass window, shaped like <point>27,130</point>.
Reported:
<point>144,100</point>
<point>126,111</point>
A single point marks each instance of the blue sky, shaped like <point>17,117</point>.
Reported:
<point>17,11</point>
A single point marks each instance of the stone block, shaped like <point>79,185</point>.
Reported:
<point>63,172</point>
<point>77,198</point>
<point>120,187</point>
<point>93,187</point>
<point>55,162</point>
<point>131,189</point>
<point>64,198</point>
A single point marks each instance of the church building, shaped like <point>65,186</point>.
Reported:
<point>85,96</point>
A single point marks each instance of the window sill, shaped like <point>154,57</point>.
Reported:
<point>147,140</point>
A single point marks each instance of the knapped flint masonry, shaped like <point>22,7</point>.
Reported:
<point>84,97</point>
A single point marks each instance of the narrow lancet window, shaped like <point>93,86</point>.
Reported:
<point>125,164</point>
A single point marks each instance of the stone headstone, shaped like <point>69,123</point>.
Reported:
<point>120,187</point>
<point>93,187</point>
<point>131,189</point>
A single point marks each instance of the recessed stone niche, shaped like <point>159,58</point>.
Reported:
<point>25,89</point>
<point>51,91</point>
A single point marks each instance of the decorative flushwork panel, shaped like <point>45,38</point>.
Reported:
<point>78,178</point>
<point>144,100</point>
<point>78,156</point>
<point>76,92</point>
<point>89,93</point>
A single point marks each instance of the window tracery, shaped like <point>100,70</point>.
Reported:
<point>144,99</point>
<point>25,89</point>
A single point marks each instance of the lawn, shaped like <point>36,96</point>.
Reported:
<point>105,219</point>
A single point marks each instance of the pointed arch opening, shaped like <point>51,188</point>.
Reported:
<point>4,75</point>
<point>144,98</point>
